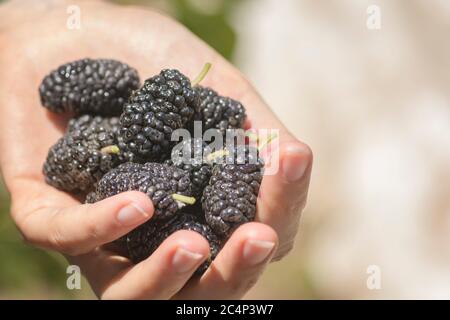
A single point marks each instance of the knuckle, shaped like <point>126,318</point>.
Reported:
<point>69,247</point>
<point>58,241</point>
<point>92,230</point>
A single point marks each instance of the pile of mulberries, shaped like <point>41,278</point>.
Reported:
<point>120,139</point>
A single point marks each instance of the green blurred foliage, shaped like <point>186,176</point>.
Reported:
<point>214,29</point>
<point>208,19</point>
<point>27,272</point>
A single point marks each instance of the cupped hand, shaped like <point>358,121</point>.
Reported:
<point>34,39</point>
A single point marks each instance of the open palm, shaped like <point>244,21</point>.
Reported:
<point>34,39</point>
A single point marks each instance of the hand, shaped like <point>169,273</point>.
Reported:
<point>38,43</point>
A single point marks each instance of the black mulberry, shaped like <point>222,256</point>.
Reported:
<point>81,157</point>
<point>145,239</point>
<point>189,155</point>
<point>229,199</point>
<point>163,184</point>
<point>217,112</point>
<point>95,86</point>
<point>172,86</point>
<point>146,130</point>
<point>165,103</point>
<point>89,121</point>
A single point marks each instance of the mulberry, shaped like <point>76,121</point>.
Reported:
<point>172,86</point>
<point>95,86</point>
<point>145,239</point>
<point>81,157</point>
<point>165,103</point>
<point>89,121</point>
<point>189,155</point>
<point>229,199</point>
<point>217,112</point>
<point>168,187</point>
<point>146,130</point>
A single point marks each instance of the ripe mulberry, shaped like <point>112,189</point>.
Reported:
<point>229,199</point>
<point>163,184</point>
<point>146,130</point>
<point>94,86</point>
<point>145,239</point>
<point>172,86</point>
<point>89,121</point>
<point>81,157</point>
<point>165,103</point>
<point>189,155</point>
<point>217,112</point>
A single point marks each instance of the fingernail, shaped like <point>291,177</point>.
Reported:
<point>294,165</point>
<point>132,214</point>
<point>256,251</point>
<point>185,260</point>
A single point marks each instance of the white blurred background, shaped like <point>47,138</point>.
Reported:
<point>374,104</point>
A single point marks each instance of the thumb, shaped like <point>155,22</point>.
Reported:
<point>79,229</point>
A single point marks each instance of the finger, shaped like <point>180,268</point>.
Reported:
<point>237,267</point>
<point>79,229</point>
<point>165,272</point>
<point>283,195</point>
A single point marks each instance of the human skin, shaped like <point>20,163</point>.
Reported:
<point>34,39</point>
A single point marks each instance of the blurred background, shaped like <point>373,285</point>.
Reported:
<point>374,105</point>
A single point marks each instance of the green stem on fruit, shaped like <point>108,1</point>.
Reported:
<point>201,75</point>
<point>183,199</point>
<point>113,149</point>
